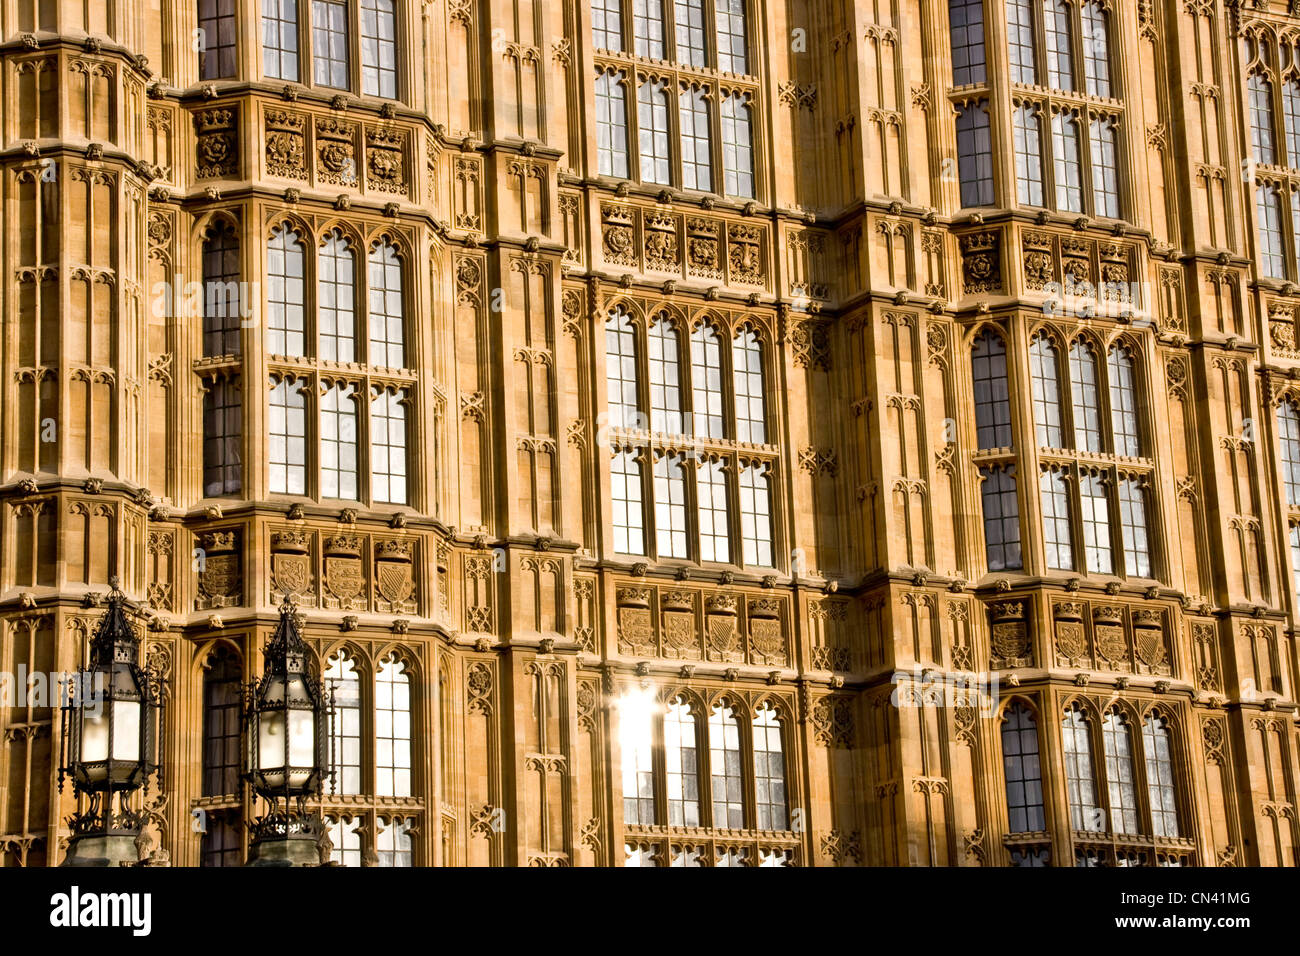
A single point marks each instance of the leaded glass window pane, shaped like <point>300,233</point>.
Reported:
<point>1080,781</point>
<point>280,39</point>
<point>1001,518</point>
<point>627,511</point>
<point>387,346</point>
<point>329,40</point>
<point>222,707</point>
<point>285,295</point>
<point>636,738</point>
<point>336,313</point>
<point>1268,215</point>
<point>286,445</point>
<point>222,435</point>
<point>1020,42</point>
<point>217,55</point>
<point>670,507</point>
<point>755,516</point>
<point>737,147</point>
<point>730,19</point>
<point>1094,509</point>
<point>769,771</point>
<point>725,769</point>
<point>1045,374</point>
<point>665,378</point>
<point>1096,49</point>
<point>342,681</point>
<point>388,447</point>
<point>992,395</point>
<point>975,155</point>
<point>697,158</point>
<point>1066,163</point>
<point>689,15</point>
<point>621,370</point>
<point>706,382</point>
<point>1160,777</point>
<point>648,28</point>
<point>1055,494</point>
<point>1029,156</point>
<point>393,843</point>
<point>1123,402</point>
<point>1024,777</point>
<point>392,728</point>
<point>607,25</point>
<point>378,48</point>
<point>1133,522</point>
<point>682,765</point>
<point>966,26</point>
<point>611,126</point>
<point>1288,431</point>
<point>1085,397</point>
<point>1118,743</point>
<point>747,359</point>
<point>222,306</point>
<point>1105,169</point>
<point>1259,92</point>
<point>1060,54</point>
<point>652,130</point>
<point>711,490</point>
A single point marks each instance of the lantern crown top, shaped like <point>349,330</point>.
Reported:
<point>287,652</point>
<point>115,639</point>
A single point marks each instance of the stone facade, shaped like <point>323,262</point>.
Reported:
<point>152,153</point>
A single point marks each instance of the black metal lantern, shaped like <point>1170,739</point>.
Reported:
<point>112,712</point>
<point>286,734</point>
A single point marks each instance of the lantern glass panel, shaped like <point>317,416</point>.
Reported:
<point>94,733</point>
<point>270,741</point>
<point>126,730</point>
<point>302,738</point>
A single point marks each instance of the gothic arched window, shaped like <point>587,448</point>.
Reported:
<point>336,295</point>
<point>1259,92</point>
<point>682,765</point>
<point>706,381</point>
<point>1045,374</point>
<point>611,125</point>
<point>222,702</point>
<point>1123,402</point>
<point>975,155</point>
<point>627,510</point>
<point>966,23</point>
<point>1117,740</point>
<point>285,294</point>
<point>1001,518</point>
<point>769,771</point>
<point>222,302</point>
<point>652,117</point>
<point>665,378</point>
<point>747,358</point>
<point>1160,776</point>
<point>726,768</point>
<point>621,370</point>
<point>392,728</point>
<point>387,338</point>
<point>992,395</point>
<point>1085,397</point>
<point>286,447</point>
<point>388,472</point>
<point>1288,430</point>
<point>345,725</point>
<point>1080,779</point>
<point>338,443</point>
<point>1024,776</point>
